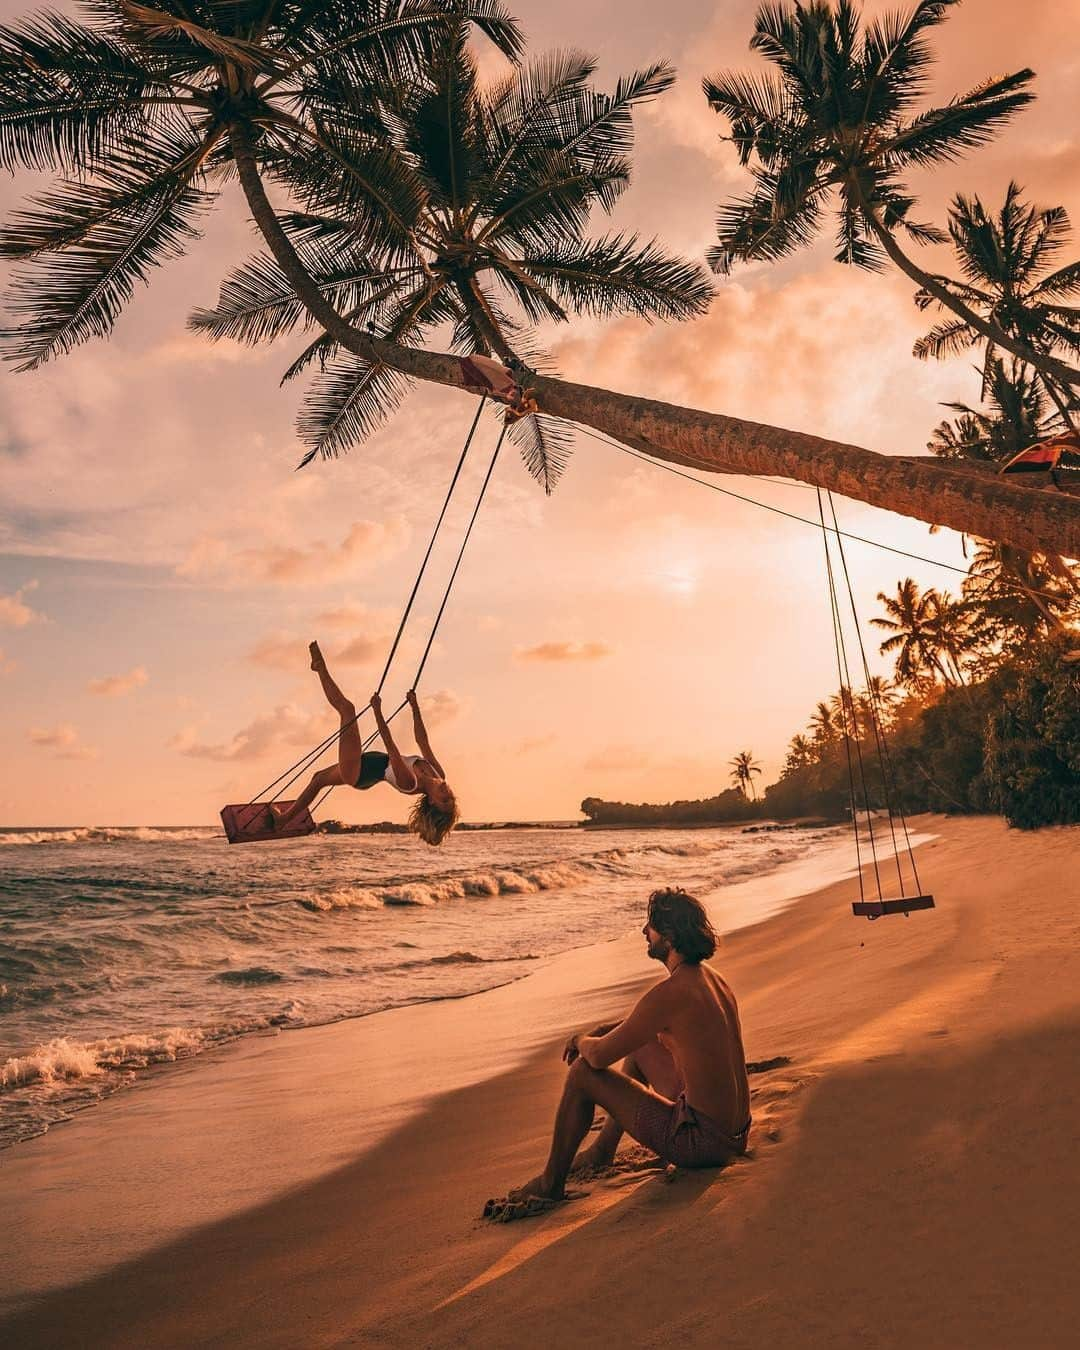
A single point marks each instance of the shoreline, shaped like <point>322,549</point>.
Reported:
<point>386,1245</point>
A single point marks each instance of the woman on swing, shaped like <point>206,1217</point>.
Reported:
<point>433,816</point>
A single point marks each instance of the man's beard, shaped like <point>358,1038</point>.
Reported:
<point>660,950</point>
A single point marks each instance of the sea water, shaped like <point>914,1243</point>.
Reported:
<point>121,949</point>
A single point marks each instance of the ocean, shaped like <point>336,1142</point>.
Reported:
<point>123,949</point>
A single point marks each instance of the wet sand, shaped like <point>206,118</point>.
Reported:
<point>912,1178</point>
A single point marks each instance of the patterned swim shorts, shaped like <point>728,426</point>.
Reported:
<point>683,1136</point>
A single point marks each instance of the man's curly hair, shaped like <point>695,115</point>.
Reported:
<point>681,919</point>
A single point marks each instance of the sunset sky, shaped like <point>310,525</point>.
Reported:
<point>162,566</point>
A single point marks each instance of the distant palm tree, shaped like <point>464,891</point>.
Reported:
<point>743,767</point>
<point>836,119</point>
<point>1005,260</point>
<point>499,183</point>
<point>918,634</point>
<point>824,725</point>
<point>800,754</point>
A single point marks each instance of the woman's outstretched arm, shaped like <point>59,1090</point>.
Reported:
<point>403,775</point>
<point>420,732</point>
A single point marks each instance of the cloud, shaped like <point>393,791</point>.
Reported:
<point>364,543</point>
<point>286,726</point>
<point>531,744</point>
<point>440,707</point>
<point>6,664</point>
<point>284,651</point>
<point>63,739</point>
<point>113,686</point>
<point>15,613</point>
<point>564,651</point>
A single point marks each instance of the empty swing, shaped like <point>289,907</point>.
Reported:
<point>911,895</point>
<point>255,821</point>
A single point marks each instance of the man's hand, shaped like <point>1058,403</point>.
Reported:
<point>570,1050</point>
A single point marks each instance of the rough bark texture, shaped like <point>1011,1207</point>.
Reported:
<point>1038,519</point>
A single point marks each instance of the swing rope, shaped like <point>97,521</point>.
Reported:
<point>305,761</point>
<point>847,705</point>
<point>442,607</point>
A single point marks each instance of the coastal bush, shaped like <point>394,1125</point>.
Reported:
<point>1032,748</point>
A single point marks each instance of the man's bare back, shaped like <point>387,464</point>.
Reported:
<point>704,1038</point>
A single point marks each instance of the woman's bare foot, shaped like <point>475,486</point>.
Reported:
<point>317,661</point>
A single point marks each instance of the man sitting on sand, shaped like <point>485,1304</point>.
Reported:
<point>682,1090</point>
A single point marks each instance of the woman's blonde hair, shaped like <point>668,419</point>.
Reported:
<point>432,823</point>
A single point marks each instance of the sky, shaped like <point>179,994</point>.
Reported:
<point>162,566</point>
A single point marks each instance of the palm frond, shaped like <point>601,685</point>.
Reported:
<point>257,303</point>
<point>545,444</point>
<point>350,398</point>
<point>944,135</point>
<point>756,228</point>
<point>620,275</point>
<point>95,242</point>
<point>763,118</point>
<point>151,27</point>
<point>69,96</point>
<point>951,338</point>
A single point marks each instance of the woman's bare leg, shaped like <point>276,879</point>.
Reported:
<point>325,778</point>
<point>350,748</point>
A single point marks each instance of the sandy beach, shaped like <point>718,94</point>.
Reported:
<point>912,1175</point>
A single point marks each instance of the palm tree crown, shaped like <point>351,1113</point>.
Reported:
<point>1006,261</point>
<point>743,768</point>
<point>926,633</point>
<point>138,111</point>
<point>492,188</point>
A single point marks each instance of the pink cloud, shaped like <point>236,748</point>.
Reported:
<point>283,651</point>
<point>114,686</point>
<point>365,543</point>
<point>63,739</point>
<point>564,651</point>
<point>439,707</point>
<point>15,613</point>
<point>285,727</point>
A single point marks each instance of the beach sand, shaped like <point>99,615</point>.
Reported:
<point>913,1174</point>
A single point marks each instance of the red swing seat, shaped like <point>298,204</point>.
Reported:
<point>251,823</point>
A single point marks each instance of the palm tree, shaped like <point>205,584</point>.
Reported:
<point>800,755</point>
<point>837,120</point>
<point>1020,594</point>
<point>824,726</point>
<point>1005,261</point>
<point>743,768</point>
<point>917,633</point>
<point>500,183</point>
<point>144,113</point>
<point>146,110</point>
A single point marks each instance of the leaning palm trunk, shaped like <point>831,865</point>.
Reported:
<point>942,494</point>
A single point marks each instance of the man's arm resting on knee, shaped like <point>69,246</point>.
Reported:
<point>649,1016</point>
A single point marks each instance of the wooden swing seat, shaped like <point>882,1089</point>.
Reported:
<point>877,909</point>
<point>251,823</point>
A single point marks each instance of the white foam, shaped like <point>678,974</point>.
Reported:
<point>107,834</point>
<point>62,1060</point>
